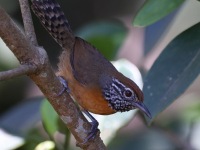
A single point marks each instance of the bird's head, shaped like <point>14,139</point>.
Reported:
<point>124,95</point>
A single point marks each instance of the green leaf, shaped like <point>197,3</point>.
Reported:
<point>105,36</point>
<point>192,112</point>
<point>49,118</point>
<point>154,10</point>
<point>173,71</point>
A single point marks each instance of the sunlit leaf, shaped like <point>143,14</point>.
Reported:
<point>48,145</point>
<point>154,10</point>
<point>173,71</point>
<point>105,36</point>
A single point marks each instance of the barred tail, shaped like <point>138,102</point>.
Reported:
<point>53,19</point>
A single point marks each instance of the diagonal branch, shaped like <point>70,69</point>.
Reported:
<point>46,80</point>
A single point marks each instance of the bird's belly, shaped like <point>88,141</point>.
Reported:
<point>90,99</point>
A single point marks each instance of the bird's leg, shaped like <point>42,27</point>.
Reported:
<point>65,85</point>
<point>94,128</point>
<point>93,122</point>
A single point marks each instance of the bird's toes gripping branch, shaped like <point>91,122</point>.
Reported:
<point>65,85</point>
<point>94,128</point>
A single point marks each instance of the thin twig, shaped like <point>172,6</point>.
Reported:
<point>21,70</point>
<point>27,20</point>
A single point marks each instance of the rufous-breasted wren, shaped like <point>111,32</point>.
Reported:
<point>92,80</point>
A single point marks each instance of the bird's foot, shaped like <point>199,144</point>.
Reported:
<point>65,85</point>
<point>94,128</point>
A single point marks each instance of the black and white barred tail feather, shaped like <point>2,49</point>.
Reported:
<point>53,19</point>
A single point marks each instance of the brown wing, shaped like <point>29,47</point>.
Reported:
<point>88,64</point>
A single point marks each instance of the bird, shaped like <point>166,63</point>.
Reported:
<point>85,73</point>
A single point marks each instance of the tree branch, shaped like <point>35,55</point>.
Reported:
<point>27,20</point>
<point>48,83</point>
<point>21,70</point>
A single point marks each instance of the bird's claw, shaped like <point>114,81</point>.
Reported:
<point>94,128</point>
<point>65,85</point>
<point>92,132</point>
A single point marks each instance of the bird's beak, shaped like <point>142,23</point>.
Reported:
<point>143,108</point>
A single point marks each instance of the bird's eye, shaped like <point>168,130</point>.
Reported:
<point>128,93</point>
